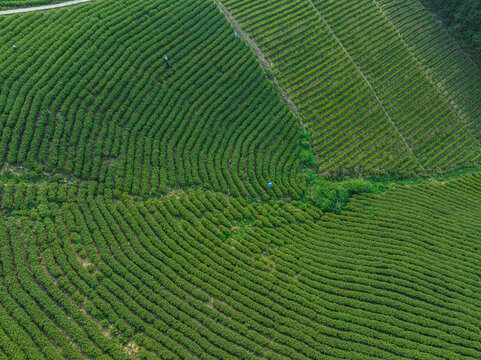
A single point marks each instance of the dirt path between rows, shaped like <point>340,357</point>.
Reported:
<point>260,56</point>
<point>45,7</point>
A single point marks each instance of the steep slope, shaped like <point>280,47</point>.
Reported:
<point>362,92</point>
<point>89,94</point>
<point>16,4</point>
<point>454,73</point>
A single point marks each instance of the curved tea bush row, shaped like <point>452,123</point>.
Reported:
<point>364,96</point>
<point>197,274</point>
<point>88,94</point>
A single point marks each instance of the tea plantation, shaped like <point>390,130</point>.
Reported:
<point>227,179</point>
<point>340,60</point>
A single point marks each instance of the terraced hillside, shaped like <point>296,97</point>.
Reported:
<point>88,94</point>
<point>362,90</point>
<point>454,72</point>
<point>201,275</point>
<point>154,209</point>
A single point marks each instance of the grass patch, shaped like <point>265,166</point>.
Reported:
<point>333,195</point>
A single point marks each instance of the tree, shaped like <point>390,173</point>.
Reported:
<point>462,18</point>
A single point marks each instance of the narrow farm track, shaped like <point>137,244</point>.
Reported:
<point>42,8</point>
<point>305,50</point>
<point>456,107</point>
<point>154,209</point>
<point>429,147</point>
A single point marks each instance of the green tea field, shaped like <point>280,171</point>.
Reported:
<point>340,60</point>
<point>238,179</point>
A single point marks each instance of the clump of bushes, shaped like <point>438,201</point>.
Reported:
<point>326,194</point>
<point>307,157</point>
<point>333,195</point>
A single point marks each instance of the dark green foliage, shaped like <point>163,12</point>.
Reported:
<point>110,112</point>
<point>332,195</point>
<point>327,194</point>
<point>463,20</point>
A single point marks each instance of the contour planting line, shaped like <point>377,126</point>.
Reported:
<point>40,8</point>
<point>265,64</point>
<point>331,30</point>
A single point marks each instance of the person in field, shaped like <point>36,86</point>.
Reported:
<point>166,61</point>
<point>235,35</point>
<point>15,48</point>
